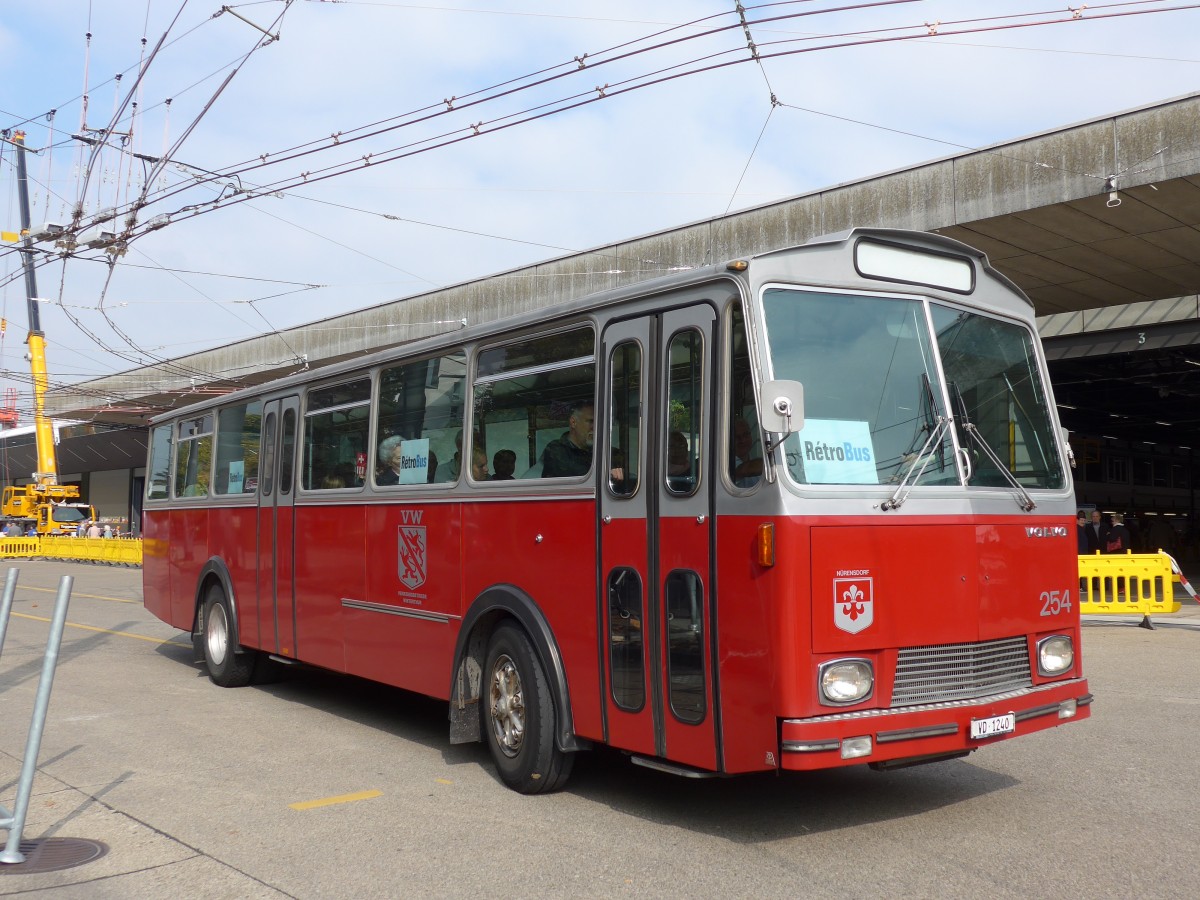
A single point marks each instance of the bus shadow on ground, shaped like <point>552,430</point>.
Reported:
<point>403,714</point>
<point>750,808</point>
<point>762,807</point>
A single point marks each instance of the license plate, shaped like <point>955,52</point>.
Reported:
<point>993,726</point>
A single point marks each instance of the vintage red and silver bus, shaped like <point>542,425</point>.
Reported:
<point>801,510</point>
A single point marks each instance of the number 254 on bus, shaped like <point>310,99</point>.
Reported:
<point>801,510</point>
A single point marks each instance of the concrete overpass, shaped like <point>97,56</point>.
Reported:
<point>1099,222</point>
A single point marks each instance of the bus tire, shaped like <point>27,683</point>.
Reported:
<point>519,718</point>
<point>225,667</point>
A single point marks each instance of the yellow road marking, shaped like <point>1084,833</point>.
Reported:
<point>128,634</point>
<point>331,801</point>
<point>22,587</point>
<point>443,781</point>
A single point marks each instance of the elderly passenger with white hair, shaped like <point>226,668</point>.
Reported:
<point>389,460</point>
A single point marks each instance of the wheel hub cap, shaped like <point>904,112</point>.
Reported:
<point>507,706</point>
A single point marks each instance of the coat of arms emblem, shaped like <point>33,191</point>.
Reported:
<point>413,564</point>
<point>853,604</point>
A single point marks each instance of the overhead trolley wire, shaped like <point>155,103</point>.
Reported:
<point>576,100</point>
<point>581,99</point>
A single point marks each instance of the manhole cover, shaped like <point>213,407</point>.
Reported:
<point>52,854</point>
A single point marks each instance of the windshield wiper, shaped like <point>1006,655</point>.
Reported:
<point>1025,500</point>
<point>924,457</point>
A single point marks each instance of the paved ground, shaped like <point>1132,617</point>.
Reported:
<point>325,786</point>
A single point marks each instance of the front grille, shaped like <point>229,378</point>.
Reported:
<point>960,671</point>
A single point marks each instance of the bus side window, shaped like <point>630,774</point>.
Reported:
<point>158,475</point>
<point>238,429</point>
<point>335,435</point>
<point>534,396</point>
<point>745,439</point>
<point>625,423</point>
<point>193,457</point>
<point>287,451</point>
<point>418,431</point>
<point>685,411</point>
<point>267,482</point>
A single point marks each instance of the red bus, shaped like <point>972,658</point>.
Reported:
<point>801,510</point>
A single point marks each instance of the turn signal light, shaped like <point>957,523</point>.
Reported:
<point>764,545</point>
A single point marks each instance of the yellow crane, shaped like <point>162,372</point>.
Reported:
<point>51,507</point>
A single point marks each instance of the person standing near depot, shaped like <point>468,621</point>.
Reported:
<point>1117,540</point>
<point>1097,531</point>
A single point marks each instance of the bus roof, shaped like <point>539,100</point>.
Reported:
<point>598,300</point>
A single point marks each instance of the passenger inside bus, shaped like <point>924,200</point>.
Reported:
<point>479,469</point>
<point>745,457</point>
<point>571,454</point>
<point>618,482</point>
<point>390,456</point>
<point>505,464</point>
<point>679,463</point>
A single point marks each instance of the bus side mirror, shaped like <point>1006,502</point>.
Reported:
<point>781,407</point>
<point>1066,436</point>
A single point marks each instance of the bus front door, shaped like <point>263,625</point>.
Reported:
<point>276,526</point>
<point>656,604</point>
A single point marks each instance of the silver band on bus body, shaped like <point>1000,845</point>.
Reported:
<point>404,612</point>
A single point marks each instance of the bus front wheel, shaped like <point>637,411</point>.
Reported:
<point>519,717</point>
<point>225,667</point>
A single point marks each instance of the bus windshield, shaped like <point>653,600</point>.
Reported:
<point>876,407</point>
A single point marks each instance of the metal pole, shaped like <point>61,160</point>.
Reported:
<point>10,588</point>
<point>16,824</point>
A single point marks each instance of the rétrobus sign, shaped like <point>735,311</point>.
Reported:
<point>834,451</point>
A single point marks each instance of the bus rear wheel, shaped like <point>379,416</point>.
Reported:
<point>226,667</point>
<point>519,717</point>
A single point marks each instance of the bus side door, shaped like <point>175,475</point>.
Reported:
<point>276,526</point>
<point>656,620</point>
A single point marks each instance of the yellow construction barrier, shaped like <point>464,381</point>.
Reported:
<point>105,551</point>
<point>1129,583</point>
<point>19,547</point>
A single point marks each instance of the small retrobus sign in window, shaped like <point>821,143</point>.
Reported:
<point>891,262</point>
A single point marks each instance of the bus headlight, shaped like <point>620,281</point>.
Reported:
<point>845,681</point>
<point>1056,654</point>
